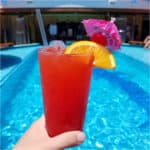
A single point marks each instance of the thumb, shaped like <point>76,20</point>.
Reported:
<point>67,139</point>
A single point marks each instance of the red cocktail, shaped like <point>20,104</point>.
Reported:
<point>65,85</point>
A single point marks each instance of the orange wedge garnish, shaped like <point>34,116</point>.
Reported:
<point>103,58</point>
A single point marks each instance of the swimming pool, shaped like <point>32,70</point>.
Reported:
<point>11,57</point>
<point>118,109</point>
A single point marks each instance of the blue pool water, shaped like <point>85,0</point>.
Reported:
<point>118,110</point>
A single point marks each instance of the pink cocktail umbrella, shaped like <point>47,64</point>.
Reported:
<point>107,28</point>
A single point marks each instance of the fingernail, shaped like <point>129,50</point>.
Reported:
<point>80,137</point>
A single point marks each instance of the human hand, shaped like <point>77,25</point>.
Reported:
<point>36,138</point>
<point>147,42</point>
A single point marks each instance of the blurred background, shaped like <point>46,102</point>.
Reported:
<point>62,19</point>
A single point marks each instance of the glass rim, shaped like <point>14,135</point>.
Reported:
<point>44,52</point>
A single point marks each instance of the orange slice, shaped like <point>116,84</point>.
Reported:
<point>103,58</point>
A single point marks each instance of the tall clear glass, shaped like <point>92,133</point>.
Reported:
<point>65,82</point>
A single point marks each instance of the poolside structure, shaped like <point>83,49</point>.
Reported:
<point>132,18</point>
